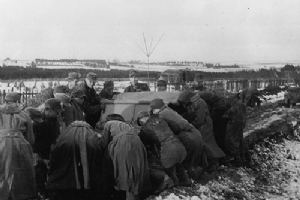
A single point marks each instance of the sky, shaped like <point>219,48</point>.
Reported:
<point>201,30</point>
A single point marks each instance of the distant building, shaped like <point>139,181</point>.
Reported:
<point>17,63</point>
<point>182,63</point>
<point>71,63</point>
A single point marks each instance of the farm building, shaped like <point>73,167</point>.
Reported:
<point>72,63</point>
<point>17,63</point>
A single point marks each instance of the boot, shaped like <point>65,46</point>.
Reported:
<point>172,173</point>
<point>195,173</point>
<point>131,196</point>
<point>184,179</point>
<point>166,184</point>
<point>238,162</point>
<point>213,165</point>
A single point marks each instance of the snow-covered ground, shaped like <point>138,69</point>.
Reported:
<point>273,98</point>
<point>72,67</point>
<point>273,171</point>
<point>161,68</point>
<point>243,66</point>
<point>37,86</point>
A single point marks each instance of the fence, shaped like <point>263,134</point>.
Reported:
<point>229,85</point>
<point>235,85</point>
<point>25,96</point>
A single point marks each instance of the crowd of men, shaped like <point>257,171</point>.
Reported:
<point>59,150</point>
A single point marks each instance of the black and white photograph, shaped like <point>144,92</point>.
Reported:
<point>149,100</point>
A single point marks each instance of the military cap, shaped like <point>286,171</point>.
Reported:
<point>157,104</point>
<point>12,97</point>
<point>132,73</point>
<point>185,96</point>
<point>91,76</point>
<point>54,104</point>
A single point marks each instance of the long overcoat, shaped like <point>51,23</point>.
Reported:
<point>157,132</point>
<point>17,178</point>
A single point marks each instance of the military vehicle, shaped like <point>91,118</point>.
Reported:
<point>130,104</point>
<point>292,96</point>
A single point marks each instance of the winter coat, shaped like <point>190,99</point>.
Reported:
<point>91,105</point>
<point>78,114</point>
<point>129,158</point>
<point>236,117</point>
<point>175,121</point>
<point>157,132</point>
<point>190,137</point>
<point>71,112</point>
<point>68,114</point>
<point>113,128</point>
<point>217,107</point>
<point>13,117</point>
<point>75,161</point>
<point>105,94</point>
<point>139,87</point>
<point>198,114</point>
<point>17,179</point>
<point>45,134</point>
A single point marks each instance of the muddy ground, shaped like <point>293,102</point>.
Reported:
<point>273,171</point>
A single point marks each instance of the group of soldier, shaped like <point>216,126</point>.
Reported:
<point>59,150</point>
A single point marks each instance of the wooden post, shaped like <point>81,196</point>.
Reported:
<point>3,97</point>
<point>26,96</point>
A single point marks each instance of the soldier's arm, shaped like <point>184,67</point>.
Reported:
<point>176,122</point>
<point>30,134</point>
<point>148,137</point>
<point>105,139</point>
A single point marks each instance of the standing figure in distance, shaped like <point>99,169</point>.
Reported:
<point>135,86</point>
<point>91,105</point>
<point>108,90</point>
<point>73,79</point>
<point>161,85</point>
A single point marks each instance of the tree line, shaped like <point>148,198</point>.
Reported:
<point>288,71</point>
<point>7,73</point>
